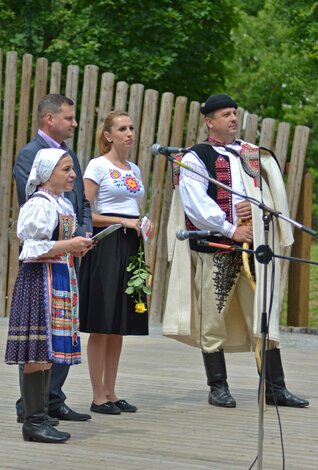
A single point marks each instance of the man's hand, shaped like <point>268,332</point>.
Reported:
<point>243,234</point>
<point>244,210</point>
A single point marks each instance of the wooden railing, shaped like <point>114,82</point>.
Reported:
<point>166,119</point>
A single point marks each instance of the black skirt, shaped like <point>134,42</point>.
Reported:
<point>104,305</point>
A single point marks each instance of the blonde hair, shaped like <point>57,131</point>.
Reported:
<point>103,144</point>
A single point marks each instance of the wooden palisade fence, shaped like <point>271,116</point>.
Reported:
<point>166,119</point>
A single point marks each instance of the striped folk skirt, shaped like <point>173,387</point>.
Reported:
<point>43,324</point>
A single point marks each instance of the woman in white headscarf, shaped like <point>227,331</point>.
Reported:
<point>43,325</point>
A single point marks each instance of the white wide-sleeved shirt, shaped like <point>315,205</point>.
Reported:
<point>201,209</point>
<point>120,191</point>
<point>37,221</point>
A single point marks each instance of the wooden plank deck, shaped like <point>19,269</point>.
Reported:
<point>174,427</point>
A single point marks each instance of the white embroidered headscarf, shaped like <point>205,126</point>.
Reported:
<point>43,165</point>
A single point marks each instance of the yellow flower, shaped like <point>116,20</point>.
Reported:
<point>140,307</point>
<point>136,286</point>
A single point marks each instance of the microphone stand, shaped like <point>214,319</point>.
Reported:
<point>265,258</point>
<point>264,330</point>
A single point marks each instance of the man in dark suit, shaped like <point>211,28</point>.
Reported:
<point>56,116</point>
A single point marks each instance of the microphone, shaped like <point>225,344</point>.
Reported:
<point>193,234</point>
<point>160,149</point>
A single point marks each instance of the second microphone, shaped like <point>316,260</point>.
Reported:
<point>160,149</point>
<point>193,234</point>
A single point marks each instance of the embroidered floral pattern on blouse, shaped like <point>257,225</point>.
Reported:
<point>115,174</point>
<point>130,182</point>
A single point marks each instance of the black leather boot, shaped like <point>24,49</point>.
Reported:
<point>36,426</point>
<point>51,420</point>
<point>276,391</point>
<point>215,368</point>
<point>47,377</point>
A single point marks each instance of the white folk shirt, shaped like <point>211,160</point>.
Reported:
<point>201,209</point>
<point>37,221</point>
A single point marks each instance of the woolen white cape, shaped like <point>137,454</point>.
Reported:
<point>182,322</point>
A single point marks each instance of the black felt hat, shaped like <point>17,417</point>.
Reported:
<point>219,101</point>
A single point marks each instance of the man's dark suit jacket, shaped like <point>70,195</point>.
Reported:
<point>21,171</point>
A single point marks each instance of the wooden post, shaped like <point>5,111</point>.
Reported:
<point>105,101</point>
<point>71,90</point>
<point>147,133</point>
<point>202,129</point>
<point>71,87</point>
<point>7,140</point>
<point>267,133</point>
<point>21,140</point>
<point>158,177</point>
<point>240,122</point>
<point>121,96</point>
<point>55,82</point>
<point>299,273</point>
<point>295,175</point>
<point>106,96</point>
<point>251,128</point>
<point>193,123</point>
<point>87,118</point>
<point>135,111</point>
<point>40,87</point>
<point>295,172</point>
<point>281,147</point>
<point>160,271</point>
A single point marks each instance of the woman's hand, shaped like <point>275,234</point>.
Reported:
<point>79,246</point>
<point>134,224</point>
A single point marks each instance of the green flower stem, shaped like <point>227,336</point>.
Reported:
<point>136,285</point>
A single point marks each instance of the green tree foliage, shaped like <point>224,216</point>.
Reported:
<point>250,7</point>
<point>172,45</point>
<point>275,68</point>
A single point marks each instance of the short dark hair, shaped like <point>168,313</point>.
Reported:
<point>52,103</point>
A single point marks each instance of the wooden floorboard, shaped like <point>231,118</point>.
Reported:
<point>174,428</point>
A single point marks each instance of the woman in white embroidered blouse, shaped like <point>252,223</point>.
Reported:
<point>114,188</point>
<point>43,325</point>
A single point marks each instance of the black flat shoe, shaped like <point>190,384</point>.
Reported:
<point>108,408</point>
<point>124,406</point>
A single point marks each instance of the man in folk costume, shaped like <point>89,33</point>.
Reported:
<point>210,301</point>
